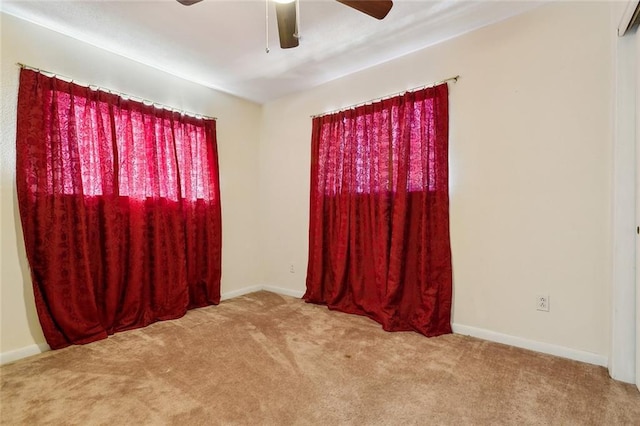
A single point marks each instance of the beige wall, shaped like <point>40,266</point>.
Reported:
<point>530,155</point>
<point>238,136</point>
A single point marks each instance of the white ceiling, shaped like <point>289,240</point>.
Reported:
<point>221,43</point>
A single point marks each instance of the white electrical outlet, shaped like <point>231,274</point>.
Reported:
<point>542,302</point>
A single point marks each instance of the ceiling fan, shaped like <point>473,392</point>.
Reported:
<point>286,15</point>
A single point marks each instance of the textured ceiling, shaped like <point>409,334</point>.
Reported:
<point>221,44</point>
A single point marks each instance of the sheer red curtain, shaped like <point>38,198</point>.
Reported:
<point>120,208</point>
<point>379,214</point>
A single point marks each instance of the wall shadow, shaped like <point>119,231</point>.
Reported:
<point>27,287</point>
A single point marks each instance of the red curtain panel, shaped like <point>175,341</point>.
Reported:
<point>120,208</point>
<point>379,212</point>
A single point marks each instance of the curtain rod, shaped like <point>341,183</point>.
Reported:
<point>115,92</point>
<point>322,114</point>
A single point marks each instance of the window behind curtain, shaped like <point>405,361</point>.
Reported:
<point>120,209</point>
<point>152,147</point>
<point>379,212</point>
<point>367,148</point>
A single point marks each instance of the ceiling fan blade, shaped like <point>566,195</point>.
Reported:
<point>375,8</point>
<point>287,27</point>
<point>188,2</point>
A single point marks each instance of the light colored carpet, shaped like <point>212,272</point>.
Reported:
<point>274,360</point>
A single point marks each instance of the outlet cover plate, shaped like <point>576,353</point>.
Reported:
<point>542,302</point>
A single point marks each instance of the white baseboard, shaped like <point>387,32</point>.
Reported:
<point>266,287</point>
<point>241,292</point>
<point>520,342</point>
<point>283,291</point>
<point>35,349</point>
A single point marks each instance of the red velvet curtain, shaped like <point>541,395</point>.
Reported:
<point>120,208</point>
<point>379,214</point>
